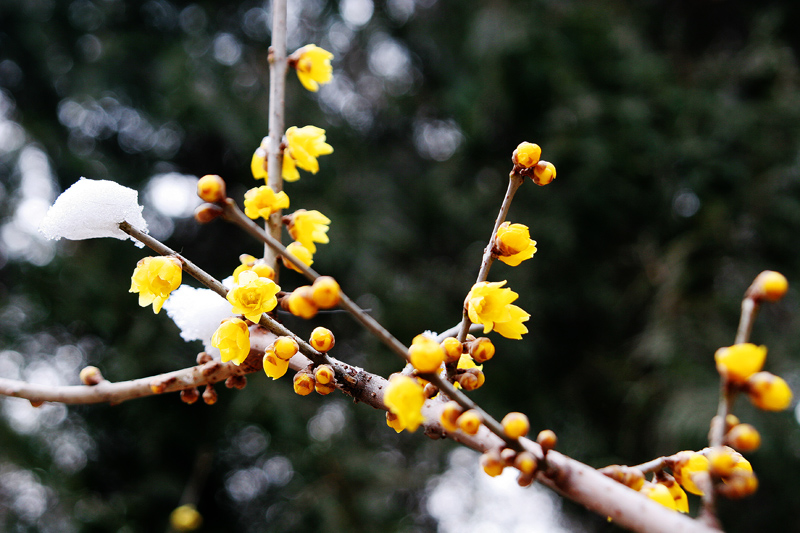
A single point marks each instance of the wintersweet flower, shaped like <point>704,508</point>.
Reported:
<point>253,295</point>
<point>687,465</point>
<point>305,145</point>
<point>425,354</point>
<point>256,265</point>
<point>308,227</point>
<point>263,201</point>
<point>300,252</point>
<point>313,66</point>
<point>274,366</point>
<point>514,244</point>
<point>404,397</point>
<point>659,493</point>
<point>768,391</point>
<point>154,278</point>
<point>233,340</point>
<point>258,166</point>
<point>738,362</point>
<point>490,305</point>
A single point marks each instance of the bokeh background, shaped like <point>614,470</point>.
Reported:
<point>675,128</point>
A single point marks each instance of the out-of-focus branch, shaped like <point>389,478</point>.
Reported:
<point>277,121</point>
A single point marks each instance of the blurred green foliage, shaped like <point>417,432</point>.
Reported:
<point>675,129</point>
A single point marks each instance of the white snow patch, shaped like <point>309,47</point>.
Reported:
<point>198,313</point>
<point>91,209</point>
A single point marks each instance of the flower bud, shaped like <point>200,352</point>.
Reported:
<point>659,493</point>
<point>203,358</point>
<point>211,188</point>
<point>452,350</point>
<point>738,362</point>
<point>301,253</point>
<point>481,349</point>
<point>544,173</point>
<point>285,348</point>
<point>515,425</point>
<point>769,286</point>
<point>303,384</point>
<point>190,395</point>
<point>768,391</point>
<point>274,366</point>
<point>471,379</point>
<point>322,339</point>
<point>743,438</point>
<point>526,463</point>
<point>393,421</point>
<point>470,422</point>
<point>739,486</point>
<point>210,395</point>
<point>185,518</point>
<point>205,213</point>
<point>324,374</point>
<point>526,155</point>
<point>91,375</point>
<point>508,455</point>
<point>450,414</point>
<point>325,292</point>
<point>547,440</point>
<point>425,354</point>
<point>492,463</point>
<point>630,477</point>
<point>324,388</point>
<point>299,303</point>
<point>236,382</point>
<point>685,466</point>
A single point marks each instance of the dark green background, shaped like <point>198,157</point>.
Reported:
<point>675,129</point>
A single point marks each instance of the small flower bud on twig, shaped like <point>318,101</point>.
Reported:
<point>91,375</point>
<point>211,188</point>
<point>203,358</point>
<point>210,395</point>
<point>190,395</point>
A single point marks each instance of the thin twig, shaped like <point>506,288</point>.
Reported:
<point>514,181</point>
<point>277,123</point>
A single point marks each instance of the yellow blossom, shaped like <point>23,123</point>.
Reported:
<point>404,397</point>
<point>526,154</point>
<point>688,464</point>
<point>308,227</point>
<point>490,304</point>
<point>305,145</point>
<point>263,201</point>
<point>233,340</point>
<point>258,166</point>
<point>313,66</point>
<point>514,243</point>
<point>253,295</point>
<point>738,362</point>
<point>543,173</point>
<point>425,354</point>
<point>325,292</point>
<point>256,265</point>
<point>660,494</point>
<point>769,392</point>
<point>154,278</point>
<point>300,252</point>
<point>515,425</point>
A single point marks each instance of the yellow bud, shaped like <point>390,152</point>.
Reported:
<point>741,484</point>
<point>185,518</point>
<point>547,439</point>
<point>450,414</point>
<point>544,173</point>
<point>325,292</point>
<point>768,391</point>
<point>425,354</point>
<point>686,465</point>
<point>526,463</point>
<point>301,253</point>
<point>299,303</point>
<point>515,425</point>
<point>738,362</point>
<point>285,347</point>
<point>492,463</point>
<point>721,461</point>
<point>274,366</point>
<point>211,188</point>
<point>91,375</point>
<point>469,422</point>
<point>452,350</point>
<point>675,490</point>
<point>630,477</point>
<point>744,438</point>
<point>481,349</point>
<point>324,388</point>
<point>526,154</point>
<point>322,339</point>
<point>471,379</point>
<point>324,374</point>
<point>770,286</point>
<point>303,384</point>
<point>393,421</point>
<point>205,213</point>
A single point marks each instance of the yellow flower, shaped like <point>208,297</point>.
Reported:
<point>313,66</point>
<point>263,201</point>
<point>233,340</point>
<point>514,243</point>
<point>738,362</point>
<point>258,166</point>
<point>154,278</point>
<point>305,145</point>
<point>308,227</point>
<point>300,252</point>
<point>253,295</point>
<point>526,154</point>
<point>687,464</point>
<point>490,304</point>
<point>515,425</point>
<point>544,173</point>
<point>274,366</point>
<point>659,493</point>
<point>185,518</point>
<point>404,397</point>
